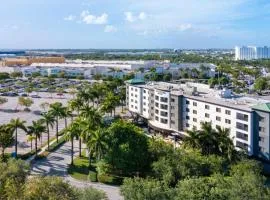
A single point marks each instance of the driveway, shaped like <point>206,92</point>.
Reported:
<point>56,164</point>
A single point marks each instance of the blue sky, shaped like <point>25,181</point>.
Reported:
<point>134,23</point>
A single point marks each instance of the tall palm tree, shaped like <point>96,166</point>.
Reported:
<point>98,143</point>
<point>192,140</point>
<point>57,111</point>
<point>30,139</point>
<point>6,139</point>
<point>14,125</point>
<point>49,120</point>
<point>36,129</point>
<point>67,113</point>
<point>225,144</point>
<point>110,102</point>
<point>75,105</point>
<point>70,133</point>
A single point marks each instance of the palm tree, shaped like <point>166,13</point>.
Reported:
<point>36,129</point>
<point>14,125</point>
<point>192,140</point>
<point>67,113</point>
<point>6,139</point>
<point>30,138</point>
<point>98,143</point>
<point>75,105</point>
<point>57,111</point>
<point>225,144</point>
<point>110,102</point>
<point>70,133</point>
<point>49,120</point>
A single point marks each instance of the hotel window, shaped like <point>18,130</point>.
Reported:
<point>261,139</point>
<point>194,119</point>
<point>164,121</point>
<point>172,122</point>
<point>164,99</point>
<point>242,136</point>
<point>136,101</point>
<point>242,145</point>
<point>131,100</point>
<point>131,88</point>
<point>156,118</point>
<point>227,112</point>
<point>187,117</point>
<point>136,90</point>
<point>194,103</point>
<point>144,91</point>
<point>242,117</point>
<point>157,98</point>
<point>136,95</point>
<point>156,111</point>
<point>207,107</point>
<point>164,114</point>
<point>261,149</point>
<point>172,115</point>
<point>206,115</point>
<point>131,94</point>
<point>144,109</point>
<point>144,103</point>
<point>187,125</point>
<point>144,97</point>
<point>187,109</point>
<point>261,129</point>
<point>194,127</point>
<point>218,118</point>
<point>261,119</point>
<point>241,126</point>
<point>187,102</point>
<point>218,109</point>
<point>227,121</point>
<point>172,107</point>
<point>162,106</point>
<point>194,111</point>
<point>132,106</point>
<point>136,107</point>
<point>217,126</point>
<point>172,100</point>
<point>156,104</point>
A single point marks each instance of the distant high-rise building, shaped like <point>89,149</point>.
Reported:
<point>252,53</point>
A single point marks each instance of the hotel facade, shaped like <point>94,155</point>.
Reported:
<point>175,108</point>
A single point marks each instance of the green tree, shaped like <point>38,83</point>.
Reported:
<point>48,188</point>
<point>57,110</point>
<point>36,129</point>
<point>6,139</point>
<point>3,100</point>
<point>13,175</point>
<point>70,133</point>
<point>146,189</point>
<point>128,148</point>
<point>91,194</point>
<point>260,84</point>
<point>98,143</point>
<point>26,102</point>
<point>49,120</point>
<point>14,125</point>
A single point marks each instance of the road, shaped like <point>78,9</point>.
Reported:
<point>56,164</point>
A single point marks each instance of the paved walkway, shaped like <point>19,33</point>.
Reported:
<point>56,164</point>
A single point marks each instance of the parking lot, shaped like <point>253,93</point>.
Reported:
<point>8,112</point>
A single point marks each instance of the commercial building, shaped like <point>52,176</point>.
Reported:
<point>26,61</point>
<point>175,108</point>
<point>252,53</point>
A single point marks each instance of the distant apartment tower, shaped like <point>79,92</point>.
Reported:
<point>252,53</point>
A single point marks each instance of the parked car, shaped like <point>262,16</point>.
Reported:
<point>24,95</point>
<point>35,96</point>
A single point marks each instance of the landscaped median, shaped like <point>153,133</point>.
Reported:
<point>80,170</point>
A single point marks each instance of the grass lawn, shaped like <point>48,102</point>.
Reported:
<point>80,169</point>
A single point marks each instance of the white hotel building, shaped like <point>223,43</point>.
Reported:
<point>251,53</point>
<point>175,108</point>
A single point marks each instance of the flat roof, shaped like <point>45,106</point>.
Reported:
<point>206,94</point>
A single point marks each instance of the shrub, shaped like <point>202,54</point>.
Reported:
<point>109,179</point>
<point>92,176</point>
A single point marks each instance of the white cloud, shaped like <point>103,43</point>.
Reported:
<point>142,16</point>
<point>87,18</point>
<point>70,18</point>
<point>110,29</point>
<point>14,27</point>
<point>130,17</point>
<point>184,27</point>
